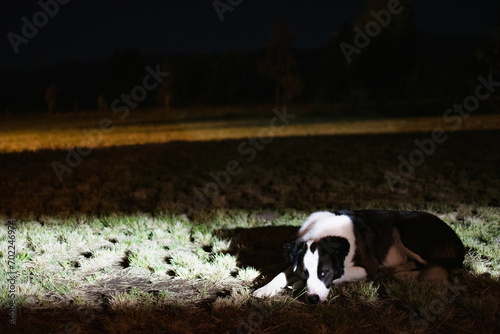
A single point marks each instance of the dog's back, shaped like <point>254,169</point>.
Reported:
<point>424,238</point>
<point>431,238</point>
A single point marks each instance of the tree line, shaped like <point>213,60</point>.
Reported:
<point>397,64</point>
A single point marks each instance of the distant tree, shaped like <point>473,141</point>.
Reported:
<point>102,105</point>
<point>280,65</point>
<point>385,63</point>
<point>52,97</point>
<point>227,77</point>
<point>488,55</point>
<point>331,70</point>
<point>165,93</point>
<point>123,71</point>
<point>192,84</point>
<point>495,56</point>
<point>400,23</point>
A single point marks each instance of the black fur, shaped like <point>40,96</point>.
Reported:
<point>421,232</point>
<point>441,246</point>
<point>294,252</point>
<point>332,253</point>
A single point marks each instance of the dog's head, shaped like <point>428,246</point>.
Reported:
<point>318,264</point>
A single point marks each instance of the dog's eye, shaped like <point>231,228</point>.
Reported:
<point>304,272</point>
<point>323,273</point>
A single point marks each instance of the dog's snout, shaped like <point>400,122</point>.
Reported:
<point>313,299</point>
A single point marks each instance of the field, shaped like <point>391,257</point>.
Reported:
<point>168,226</point>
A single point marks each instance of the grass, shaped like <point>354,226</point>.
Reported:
<point>134,267</point>
<point>112,249</point>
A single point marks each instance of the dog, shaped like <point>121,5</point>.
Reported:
<point>349,246</point>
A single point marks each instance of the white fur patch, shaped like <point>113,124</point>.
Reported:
<point>352,274</point>
<point>317,226</point>
<point>323,224</point>
<point>272,288</point>
<point>314,285</point>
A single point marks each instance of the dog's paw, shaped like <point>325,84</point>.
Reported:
<point>266,291</point>
<point>272,288</point>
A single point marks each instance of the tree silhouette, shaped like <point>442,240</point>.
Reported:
<point>191,76</point>
<point>228,75</point>
<point>280,65</point>
<point>385,63</point>
<point>52,97</point>
<point>123,71</point>
<point>331,80</point>
<point>495,56</point>
<point>165,93</point>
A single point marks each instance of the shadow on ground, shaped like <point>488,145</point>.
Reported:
<point>260,247</point>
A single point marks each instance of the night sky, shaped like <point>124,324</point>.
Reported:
<point>90,31</point>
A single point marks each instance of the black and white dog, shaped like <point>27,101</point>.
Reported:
<point>347,246</point>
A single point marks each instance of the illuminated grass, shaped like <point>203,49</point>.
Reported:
<point>64,257</point>
<point>139,265</point>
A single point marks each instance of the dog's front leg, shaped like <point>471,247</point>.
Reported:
<point>281,281</point>
<point>352,274</point>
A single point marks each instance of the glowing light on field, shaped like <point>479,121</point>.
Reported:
<point>71,135</point>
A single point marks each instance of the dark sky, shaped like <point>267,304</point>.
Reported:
<point>92,30</point>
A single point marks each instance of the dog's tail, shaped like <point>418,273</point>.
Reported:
<point>421,272</point>
<point>433,273</point>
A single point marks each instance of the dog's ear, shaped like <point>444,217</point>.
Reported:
<point>335,246</point>
<point>293,251</point>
